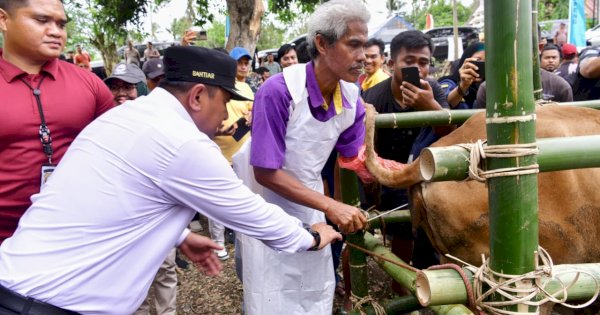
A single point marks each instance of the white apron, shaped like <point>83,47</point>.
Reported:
<point>302,283</point>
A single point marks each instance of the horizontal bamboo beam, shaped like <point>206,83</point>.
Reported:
<point>400,305</point>
<point>393,217</point>
<point>443,287</point>
<point>404,277</point>
<point>555,154</point>
<point>445,117</point>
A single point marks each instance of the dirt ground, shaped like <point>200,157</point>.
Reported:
<point>200,294</point>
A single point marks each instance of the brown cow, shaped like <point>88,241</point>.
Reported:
<point>455,214</point>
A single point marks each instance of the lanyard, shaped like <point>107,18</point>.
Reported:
<point>44,131</point>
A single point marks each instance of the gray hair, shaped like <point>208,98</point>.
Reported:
<point>331,21</point>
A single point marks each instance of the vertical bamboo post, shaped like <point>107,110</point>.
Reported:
<point>513,199</point>
<point>357,259</point>
<point>537,81</point>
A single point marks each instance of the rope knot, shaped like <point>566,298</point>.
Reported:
<point>358,304</point>
<point>479,151</point>
<point>523,289</point>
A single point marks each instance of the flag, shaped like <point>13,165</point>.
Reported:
<point>577,23</point>
<point>428,22</point>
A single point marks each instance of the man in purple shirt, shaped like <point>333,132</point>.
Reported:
<point>299,117</point>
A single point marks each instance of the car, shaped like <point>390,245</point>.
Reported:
<point>439,37</point>
<point>592,36</point>
<point>263,53</point>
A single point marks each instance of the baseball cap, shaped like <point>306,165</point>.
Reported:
<point>129,73</point>
<point>569,49</point>
<point>202,65</point>
<point>153,68</point>
<point>238,52</point>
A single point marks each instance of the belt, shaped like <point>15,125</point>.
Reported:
<point>23,305</point>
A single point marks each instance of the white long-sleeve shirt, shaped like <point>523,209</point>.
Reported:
<point>121,199</point>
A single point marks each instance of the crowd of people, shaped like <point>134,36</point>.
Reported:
<point>100,179</point>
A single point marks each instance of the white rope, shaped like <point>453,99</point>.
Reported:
<point>510,119</point>
<point>480,151</point>
<point>523,289</point>
<point>358,302</point>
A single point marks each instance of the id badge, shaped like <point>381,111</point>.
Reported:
<point>47,170</point>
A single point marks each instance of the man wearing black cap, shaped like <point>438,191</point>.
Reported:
<point>125,192</point>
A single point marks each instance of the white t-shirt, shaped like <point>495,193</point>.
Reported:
<point>120,200</point>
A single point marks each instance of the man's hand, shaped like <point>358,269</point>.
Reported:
<point>200,250</point>
<point>327,233</point>
<point>468,73</point>
<point>226,130</point>
<point>349,219</point>
<point>419,99</point>
<point>188,38</point>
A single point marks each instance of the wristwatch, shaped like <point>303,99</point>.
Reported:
<point>317,237</point>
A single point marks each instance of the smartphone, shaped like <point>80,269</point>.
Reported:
<point>200,33</point>
<point>481,66</point>
<point>242,129</point>
<point>411,75</point>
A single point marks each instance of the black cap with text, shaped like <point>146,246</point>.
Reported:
<point>202,65</point>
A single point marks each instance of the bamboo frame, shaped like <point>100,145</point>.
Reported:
<point>555,154</point>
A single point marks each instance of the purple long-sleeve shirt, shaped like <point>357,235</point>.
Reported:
<point>270,116</point>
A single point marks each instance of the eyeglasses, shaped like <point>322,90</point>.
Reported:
<point>118,87</point>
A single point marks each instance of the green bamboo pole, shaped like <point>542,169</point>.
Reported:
<point>424,118</point>
<point>356,259</point>
<point>445,286</point>
<point>537,81</point>
<point>405,277</point>
<point>446,117</point>
<point>394,217</point>
<point>398,305</point>
<point>555,154</point>
<point>513,200</point>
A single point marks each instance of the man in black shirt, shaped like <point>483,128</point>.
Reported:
<point>586,82</point>
<point>395,95</point>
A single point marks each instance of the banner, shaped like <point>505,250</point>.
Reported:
<point>577,23</point>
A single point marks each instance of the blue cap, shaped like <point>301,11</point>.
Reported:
<point>238,52</point>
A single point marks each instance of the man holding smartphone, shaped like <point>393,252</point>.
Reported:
<point>410,59</point>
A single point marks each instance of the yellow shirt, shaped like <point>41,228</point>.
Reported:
<point>371,81</point>
<point>236,110</point>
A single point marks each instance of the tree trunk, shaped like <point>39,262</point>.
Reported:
<point>108,50</point>
<point>245,18</point>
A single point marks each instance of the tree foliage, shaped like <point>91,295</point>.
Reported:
<point>179,26</point>
<point>104,23</point>
<point>215,36</point>
<point>553,9</point>
<point>441,10</point>
<point>271,36</point>
<point>284,9</point>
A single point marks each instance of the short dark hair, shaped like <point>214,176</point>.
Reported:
<point>412,39</point>
<point>262,70</point>
<point>302,52</point>
<point>551,47</point>
<point>376,42</point>
<point>9,5</point>
<point>284,49</point>
<point>182,87</point>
